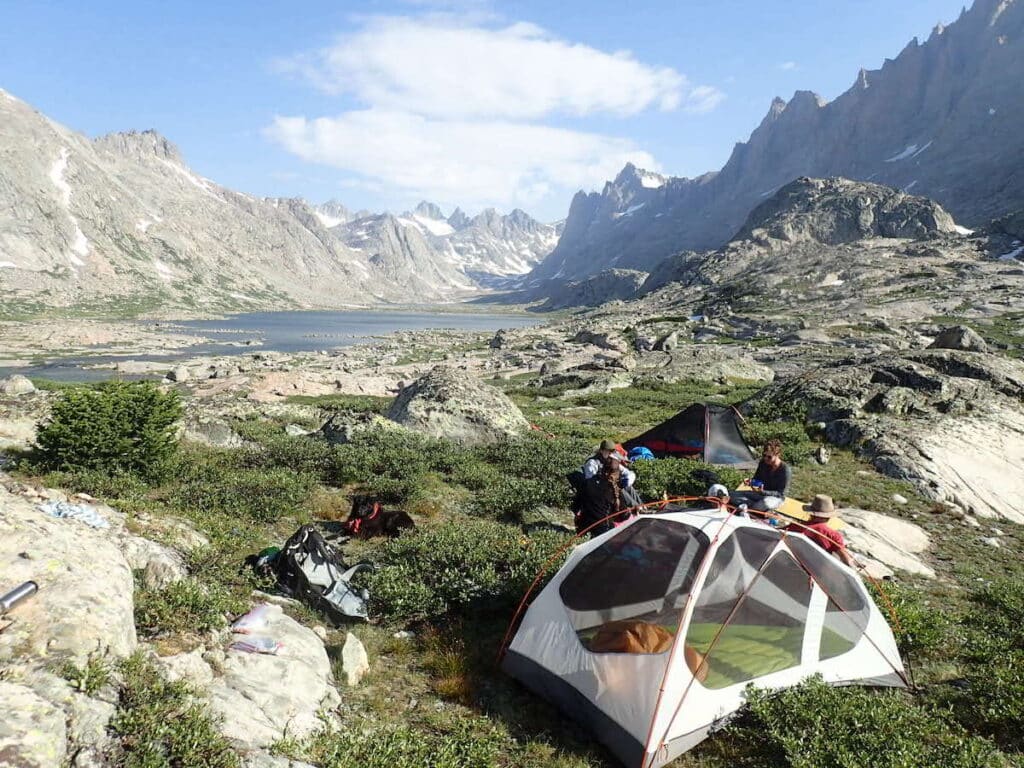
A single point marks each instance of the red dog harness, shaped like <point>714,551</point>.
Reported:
<point>353,526</point>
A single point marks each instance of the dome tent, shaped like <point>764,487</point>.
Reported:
<point>709,432</point>
<point>704,603</point>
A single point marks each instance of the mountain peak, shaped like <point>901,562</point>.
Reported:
<point>429,210</point>
<point>140,144</point>
<point>458,219</point>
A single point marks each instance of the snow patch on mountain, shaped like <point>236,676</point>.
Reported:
<point>436,227</point>
<point>328,221</point>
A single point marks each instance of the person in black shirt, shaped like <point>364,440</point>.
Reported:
<point>772,470</point>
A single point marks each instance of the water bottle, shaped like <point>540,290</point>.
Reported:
<point>16,595</point>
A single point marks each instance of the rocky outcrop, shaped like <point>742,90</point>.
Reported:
<point>262,697</point>
<point>949,421</point>
<point>889,542</point>
<point>448,403</point>
<point>959,337</point>
<point>84,604</point>
<point>32,729</point>
<point>957,142</point>
<point>609,285</point>
<point>835,211</point>
<point>16,385</point>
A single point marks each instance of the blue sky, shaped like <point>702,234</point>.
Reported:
<point>380,104</point>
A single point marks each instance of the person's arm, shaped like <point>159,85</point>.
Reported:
<point>759,472</point>
<point>846,557</point>
<point>629,476</point>
<point>787,476</point>
<point>590,468</point>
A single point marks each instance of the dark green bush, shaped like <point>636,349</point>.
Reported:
<point>263,495</point>
<point>512,498</point>
<point>473,566</point>
<point>797,447</point>
<point>390,464</point>
<point>184,606</point>
<point>113,428</point>
<point>162,724</point>
<point>815,725</point>
<point>299,454</point>
<point>679,477</point>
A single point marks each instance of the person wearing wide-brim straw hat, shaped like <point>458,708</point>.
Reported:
<point>822,509</point>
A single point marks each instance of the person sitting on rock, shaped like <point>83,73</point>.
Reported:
<point>822,509</point>
<point>772,472</point>
<point>593,465</point>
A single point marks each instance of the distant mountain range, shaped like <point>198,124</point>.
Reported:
<point>465,252</point>
<point>944,119</point>
<point>121,224</point>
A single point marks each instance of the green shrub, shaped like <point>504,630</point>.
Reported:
<point>815,725</point>
<point>306,455</point>
<point>90,678</point>
<point>162,724</point>
<point>513,498</point>
<point>468,566</point>
<point>464,743</point>
<point>389,463</point>
<point>989,698</point>
<point>263,495</point>
<point>110,487</point>
<point>184,606</point>
<point>114,428</point>
<point>797,447</point>
<point>679,477</point>
<point>919,626</point>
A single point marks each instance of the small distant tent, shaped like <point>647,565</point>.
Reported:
<point>710,433</point>
<point>649,633</point>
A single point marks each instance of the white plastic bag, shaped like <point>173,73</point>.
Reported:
<point>254,621</point>
<point>256,644</point>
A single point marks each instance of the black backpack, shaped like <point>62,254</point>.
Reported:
<point>311,570</point>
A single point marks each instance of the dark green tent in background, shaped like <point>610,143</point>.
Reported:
<point>709,433</point>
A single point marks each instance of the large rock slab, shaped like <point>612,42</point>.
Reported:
<point>16,385</point>
<point>85,599</point>
<point>32,730</point>
<point>450,403</point>
<point>889,541</point>
<point>711,362</point>
<point>951,422</point>
<point>262,697</point>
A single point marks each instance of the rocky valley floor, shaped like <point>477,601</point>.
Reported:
<point>901,356</point>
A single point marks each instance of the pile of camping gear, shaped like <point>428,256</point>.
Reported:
<point>309,569</point>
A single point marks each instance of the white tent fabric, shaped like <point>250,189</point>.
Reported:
<point>743,603</point>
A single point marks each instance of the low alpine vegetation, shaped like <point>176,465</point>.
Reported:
<point>468,567</point>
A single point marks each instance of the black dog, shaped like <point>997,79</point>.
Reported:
<point>369,518</point>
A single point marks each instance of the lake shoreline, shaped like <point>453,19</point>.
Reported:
<point>89,350</point>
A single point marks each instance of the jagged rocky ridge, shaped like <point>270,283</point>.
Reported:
<point>942,119</point>
<point>484,250</point>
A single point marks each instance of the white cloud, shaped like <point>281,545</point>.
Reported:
<point>443,66</point>
<point>450,108</point>
<point>471,163</point>
<point>788,66</point>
